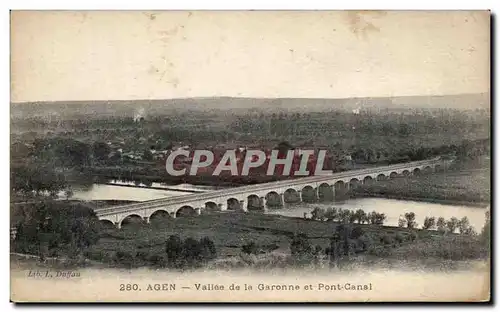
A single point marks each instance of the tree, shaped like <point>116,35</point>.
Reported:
<point>463,225</point>
<point>376,218</point>
<point>191,253</point>
<point>485,232</point>
<point>452,224</point>
<point>343,242</point>
<point>101,151</point>
<point>208,250</point>
<point>410,220</point>
<point>173,249</point>
<point>344,215</point>
<point>441,225</point>
<point>68,193</point>
<point>300,248</point>
<point>429,223</point>
<point>318,214</point>
<point>402,222</point>
<point>331,214</point>
<point>59,228</point>
<point>352,216</point>
<point>360,216</point>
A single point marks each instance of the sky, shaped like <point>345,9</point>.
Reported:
<point>106,55</point>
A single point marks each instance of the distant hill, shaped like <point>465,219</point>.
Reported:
<point>70,109</point>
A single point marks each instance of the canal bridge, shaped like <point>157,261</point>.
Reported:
<point>261,196</point>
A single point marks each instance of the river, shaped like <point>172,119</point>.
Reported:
<point>393,208</point>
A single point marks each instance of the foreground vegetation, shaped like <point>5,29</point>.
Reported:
<point>214,239</point>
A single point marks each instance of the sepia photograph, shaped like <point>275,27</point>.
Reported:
<point>250,156</point>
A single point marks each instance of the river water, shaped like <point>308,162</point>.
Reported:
<point>393,208</point>
<point>141,193</point>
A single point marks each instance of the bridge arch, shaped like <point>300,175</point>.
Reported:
<point>106,224</point>
<point>291,195</point>
<point>393,175</point>
<point>211,206</point>
<point>354,182</point>
<point>406,173</point>
<point>368,180</point>
<point>132,220</point>
<point>438,168</point>
<point>233,204</point>
<point>381,177</point>
<point>325,192</point>
<point>159,215</point>
<point>339,185</point>
<point>308,194</point>
<point>254,203</point>
<point>185,211</point>
<point>417,171</point>
<point>273,199</point>
<point>428,169</point>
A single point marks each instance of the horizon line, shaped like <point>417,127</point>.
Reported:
<point>249,97</point>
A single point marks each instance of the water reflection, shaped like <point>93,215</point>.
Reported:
<point>117,192</point>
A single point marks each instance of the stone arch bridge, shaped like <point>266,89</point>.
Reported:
<point>261,196</point>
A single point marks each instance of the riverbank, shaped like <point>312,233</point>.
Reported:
<point>450,202</point>
<point>156,188</point>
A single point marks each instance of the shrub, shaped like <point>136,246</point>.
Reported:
<point>190,252</point>
<point>250,248</point>
<point>301,249</point>
<point>399,238</point>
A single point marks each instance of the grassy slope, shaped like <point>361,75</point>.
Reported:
<point>229,231</point>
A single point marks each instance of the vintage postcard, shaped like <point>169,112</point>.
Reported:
<point>250,156</point>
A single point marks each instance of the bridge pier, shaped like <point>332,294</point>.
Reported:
<point>243,205</point>
<point>146,220</point>
<point>300,196</point>
<point>263,202</point>
<point>198,211</point>
<point>282,199</point>
<point>118,225</point>
<point>316,194</point>
<point>222,207</point>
